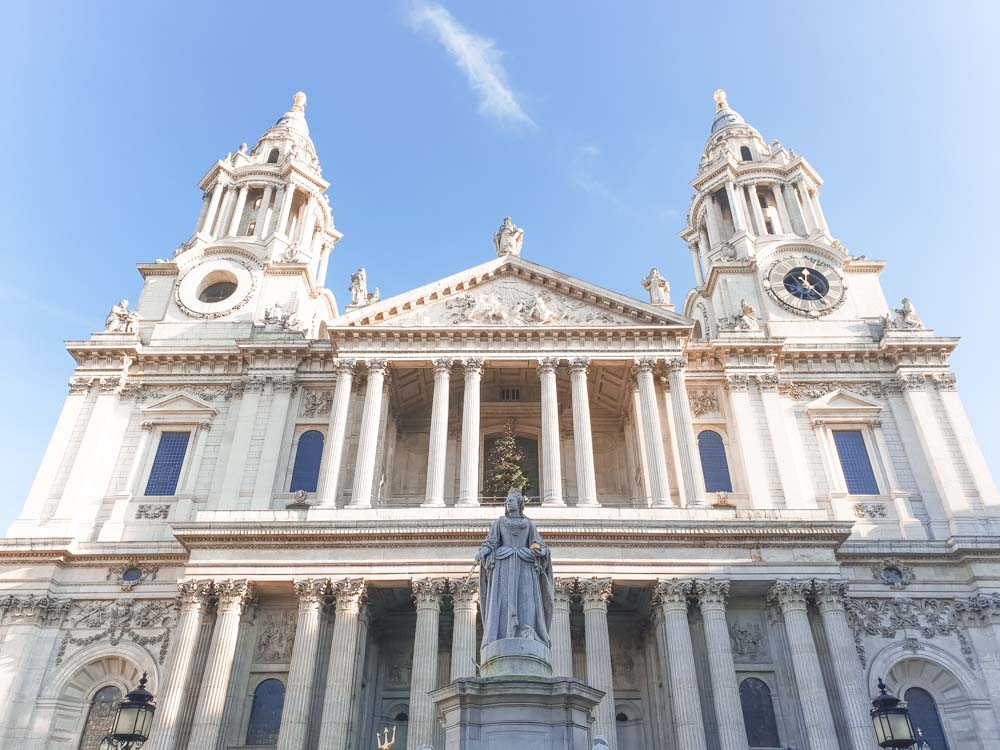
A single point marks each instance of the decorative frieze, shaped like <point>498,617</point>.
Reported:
<point>812,391</point>
<point>746,639</point>
<point>870,510</point>
<point>703,402</point>
<point>119,619</point>
<point>275,637</point>
<point>316,404</point>
<point>31,609</point>
<point>152,511</point>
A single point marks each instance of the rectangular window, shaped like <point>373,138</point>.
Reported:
<point>855,462</point>
<point>510,394</point>
<point>167,463</point>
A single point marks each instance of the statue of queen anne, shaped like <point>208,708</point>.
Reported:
<point>515,580</point>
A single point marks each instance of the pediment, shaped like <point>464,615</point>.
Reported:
<point>843,402</point>
<point>510,292</point>
<point>179,405</point>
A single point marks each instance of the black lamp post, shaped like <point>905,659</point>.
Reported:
<point>133,719</point>
<point>891,719</point>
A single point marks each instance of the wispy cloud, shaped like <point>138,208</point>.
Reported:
<point>476,56</point>
<point>581,170</point>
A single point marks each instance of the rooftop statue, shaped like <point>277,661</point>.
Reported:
<point>508,238</point>
<point>658,288</point>
<point>906,318</point>
<point>121,319</point>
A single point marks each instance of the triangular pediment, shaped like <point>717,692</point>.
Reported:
<point>178,405</point>
<point>510,292</point>
<point>843,401</point>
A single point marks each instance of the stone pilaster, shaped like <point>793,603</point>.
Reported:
<point>583,439</point>
<point>465,597</point>
<point>712,595</point>
<point>311,594</point>
<point>233,596</point>
<point>333,448</point>
<point>850,684</point>
<point>596,593</point>
<point>468,488</point>
<point>687,444</point>
<point>438,443</point>
<point>364,470</point>
<point>551,470</point>
<point>349,597</point>
<point>790,597</point>
<point>562,645</point>
<point>427,594</point>
<point>671,596</point>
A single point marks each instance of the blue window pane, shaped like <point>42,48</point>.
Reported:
<point>925,718</point>
<point>265,713</point>
<point>305,473</point>
<point>758,713</point>
<point>167,463</point>
<point>855,462</point>
<point>714,464</point>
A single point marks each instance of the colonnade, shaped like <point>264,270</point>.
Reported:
<point>651,388</point>
<point>672,600</point>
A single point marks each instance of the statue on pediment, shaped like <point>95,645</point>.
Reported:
<point>508,238</point>
<point>359,289</point>
<point>121,319</point>
<point>658,288</point>
<point>905,318</point>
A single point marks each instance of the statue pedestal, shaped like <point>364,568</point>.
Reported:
<point>522,657</point>
<point>526,713</point>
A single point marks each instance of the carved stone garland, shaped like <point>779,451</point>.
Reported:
<point>115,620</point>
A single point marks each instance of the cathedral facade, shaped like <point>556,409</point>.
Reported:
<point>758,503</point>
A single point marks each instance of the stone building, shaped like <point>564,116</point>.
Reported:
<point>757,504</point>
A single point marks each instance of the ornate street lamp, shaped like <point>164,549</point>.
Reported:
<point>891,719</point>
<point>133,719</point>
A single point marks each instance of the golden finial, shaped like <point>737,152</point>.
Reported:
<point>384,743</point>
<point>299,102</point>
<point>720,99</point>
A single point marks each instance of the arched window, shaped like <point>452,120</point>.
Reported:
<point>265,713</point>
<point>758,713</point>
<point>272,158</point>
<point>713,462</point>
<point>308,455</point>
<point>925,717</point>
<point>100,717</point>
<point>745,154</point>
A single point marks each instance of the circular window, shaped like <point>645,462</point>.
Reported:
<point>218,291</point>
<point>131,575</point>
<point>216,287</point>
<point>893,576</point>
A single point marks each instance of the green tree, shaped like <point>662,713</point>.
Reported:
<point>504,466</point>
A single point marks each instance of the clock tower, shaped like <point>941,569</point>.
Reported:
<point>764,258</point>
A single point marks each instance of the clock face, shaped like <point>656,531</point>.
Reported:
<point>805,286</point>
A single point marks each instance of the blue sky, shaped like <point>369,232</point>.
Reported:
<point>583,121</point>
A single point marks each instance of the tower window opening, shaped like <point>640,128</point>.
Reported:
<point>272,158</point>
<point>769,226</point>
<point>251,228</point>
<point>256,203</point>
<point>745,153</point>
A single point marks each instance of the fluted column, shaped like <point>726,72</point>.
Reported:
<point>265,205</point>
<point>465,597</point>
<point>333,447</point>
<point>699,276</point>
<point>687,443</point>
<point>806,205</point>
<point>294,730</point>
<point>551,469</point>
<point>233,596</point>
<point>234,225</point>
<point>192,597</point>
<point>349,597</point>
<point>656,460</point>
<point>438,443</point>
<point>427,594</point>
<point>286,206</point>
<point>713,222</point>
<point>213,207</point>
<point>782,205</point>
<point>672,598</point>
<point>712,596</point>
<point>790,597</point>
<point>756,210</point>
<point>364,469</point>
<point>562,644</point>
<point>735,207</point>
<point>596,593</point>
<point>850,684</point>
<point>583,439</point>
<point>468,484</point>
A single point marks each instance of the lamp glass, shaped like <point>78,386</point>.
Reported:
<point>900,724</point>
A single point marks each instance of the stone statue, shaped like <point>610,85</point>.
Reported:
<point>515,581</point>
<point>747,318</point>
<point>121,319</point>
<point>906,318</point>
<point>600,742</point>
<point>508,238</point>
<point>359,289</point>
<point>658,288</point>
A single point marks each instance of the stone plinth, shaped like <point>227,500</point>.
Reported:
<point>520,657</point>
<point>527,713</point>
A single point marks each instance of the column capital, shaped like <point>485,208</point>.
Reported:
<point>464,590</point>
<point>672,594</point>
<point>349,594</point>
<point>831,594</point>
<point>790,595</point>
<point>677,364</point>
<point>311,592</point>
<point>345,366</point>
<point>377,365</point>
<point>712,593</point>
<point>737,383</point>
<point>768,382</point>
<point>193,595</point>
<point>643,365</point>
<point>579,365</point>
<point>428,592</point>
<point>547,365</point>
<point>473,366</point>
<point>595,592</point>
<point>233,594</point>
<point>565,590</point>
<point>443,366</point>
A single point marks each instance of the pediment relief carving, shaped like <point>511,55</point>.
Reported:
<point>179,407</point>
<point>843,404</point>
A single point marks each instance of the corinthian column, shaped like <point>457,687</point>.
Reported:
<point>830,597</point>
<point>234,225</point>
<point>333,448</point>
<point>596,593</point>
<point>672,598</point>
<point>551,470</point>
<point>192,596</point>
<point>468,485</point>
<point>427,593</point>
<point>301,673</point>
<point>562,645</point>
<point>790,597</point>
<point>349,595</point>
<point>652,433</point>
<point>465,597</point>
<point>438,443</point>
<point>687,444</point>
<point>233,596</point>
<point>364,470</point>
<point>712,596</point>
<point>583,441</point>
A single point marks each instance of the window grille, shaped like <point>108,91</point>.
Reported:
<point>308,457</point>
<point>265,713</point>
<point>510,394</point>
<point>100,717</point>
<point>714,464</point>
<point>758,713</point>
<point>167,463</point>
<point>855,462</point>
